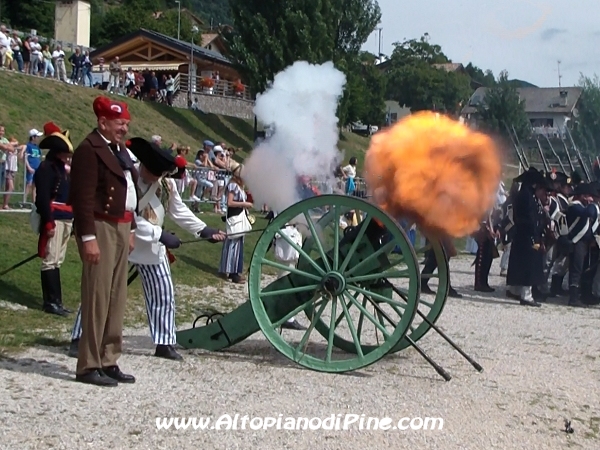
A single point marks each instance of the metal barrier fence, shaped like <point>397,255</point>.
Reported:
<point>207,185</point>
<point>18,194</point>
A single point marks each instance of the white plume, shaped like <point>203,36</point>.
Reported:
<point>301,106</point>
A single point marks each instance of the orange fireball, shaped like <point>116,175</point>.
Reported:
<point>434,171</point>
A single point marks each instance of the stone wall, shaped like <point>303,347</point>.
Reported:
<point>218,104</point>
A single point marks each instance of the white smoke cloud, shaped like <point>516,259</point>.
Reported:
<point>301,106</point>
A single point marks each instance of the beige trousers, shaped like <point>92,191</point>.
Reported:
<point>103,297</point>
<point>56,248</point>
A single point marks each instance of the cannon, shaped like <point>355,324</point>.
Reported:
<point>356,283</point>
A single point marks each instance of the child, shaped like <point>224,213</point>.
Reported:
<point>287,255</point>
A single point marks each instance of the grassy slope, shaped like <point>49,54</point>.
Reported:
<point>196,266</point>
<point>29,102</point>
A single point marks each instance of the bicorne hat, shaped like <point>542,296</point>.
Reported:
<point>559,178</point>
<point>159,162</point>
<point>530,177</point>
<point>586,189</point>
<point>55,140</point>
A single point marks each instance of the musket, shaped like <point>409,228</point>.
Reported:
<point>544,160</point>
<point>571,165</point>
<point>519,143</point>
<point>562,166</point>
<point>579,157</point>
<point>522,159</point>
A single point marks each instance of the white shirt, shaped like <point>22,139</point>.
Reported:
<point>148,249</point>
<point>350,171</point>
<point>4,40</point>
<point>58,54</point>
<point>15,44</point>
<point>131,200</point>
<point>36,48</point>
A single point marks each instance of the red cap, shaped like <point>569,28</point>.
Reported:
<point>111,110</point>
<point>51,128</point>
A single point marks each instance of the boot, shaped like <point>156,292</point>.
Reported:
<point>50,305</point>
<point>59,291</point>
<point>574,299</point>
<point>556,289</point>
<point>481,272</point>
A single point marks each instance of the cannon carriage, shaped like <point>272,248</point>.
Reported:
<point>356,284</point>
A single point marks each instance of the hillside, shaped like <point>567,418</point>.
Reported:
<point>29,102</point>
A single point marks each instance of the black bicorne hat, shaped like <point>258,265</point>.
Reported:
<point>530,177</point>
<point>55,140</point>
<point>558,177</point>
<point>576,178</point>
<point>159,162</point>
<point>586,189</point>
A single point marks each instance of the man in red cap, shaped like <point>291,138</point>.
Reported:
<point>104,201</point>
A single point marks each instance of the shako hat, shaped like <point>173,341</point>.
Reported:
<point>159,162</point>
<point>55,140</point>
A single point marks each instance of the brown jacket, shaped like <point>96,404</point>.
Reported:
<point>98,184</point>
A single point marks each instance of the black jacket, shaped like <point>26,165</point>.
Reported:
<point>51,184</point>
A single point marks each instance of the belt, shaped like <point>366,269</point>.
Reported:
<point>126,218</point>
<point>61,207</point>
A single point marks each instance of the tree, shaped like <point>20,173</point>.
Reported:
<point>502,107</point>
<point>415,51</point>
<point>412,79</point>
<point>270,35</point>
<point>586,127</point>
<point>486,79</point>
<point>25,15</point>
<point>110,24</point>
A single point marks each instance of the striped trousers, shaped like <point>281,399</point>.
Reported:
<point>160,303</point>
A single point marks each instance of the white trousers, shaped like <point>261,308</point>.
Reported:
<point>160,303</point>
<point>283,273</point>
<point>505,257</point>
<point>525,292</point>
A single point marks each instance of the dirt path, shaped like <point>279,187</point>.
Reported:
<point>541,366</point>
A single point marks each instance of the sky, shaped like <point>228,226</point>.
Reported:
<point>525,37</point>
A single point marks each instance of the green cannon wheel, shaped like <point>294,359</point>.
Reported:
<point>336,281</point>
<point>430,305</point>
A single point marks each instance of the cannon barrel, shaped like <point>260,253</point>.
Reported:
<point>240,323</point>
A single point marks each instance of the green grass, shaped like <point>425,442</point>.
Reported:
<point>29,102</point>
<point>196,267</point>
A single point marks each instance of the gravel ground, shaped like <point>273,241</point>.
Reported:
<point>541,366</point>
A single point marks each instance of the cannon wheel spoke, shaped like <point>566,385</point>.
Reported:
<point>334,311</point>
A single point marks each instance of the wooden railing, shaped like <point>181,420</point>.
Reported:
<point>223,88</point>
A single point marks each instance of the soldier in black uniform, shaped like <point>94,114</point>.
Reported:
<point>56,218</point>
<point>486,250</point>
<point>526,264</point>
<point>582,217</point>
<point>559,252</point>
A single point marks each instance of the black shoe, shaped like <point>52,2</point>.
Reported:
<point>74,349</point>
<point>52,308</point>
<point>484,289</point>
<point>293,325</point>
<point>167,352</point>
<point>98,378</point>
<point>530,303</point>
<point>577,304</point>
<point>115,373</point>
<point>453,293</point>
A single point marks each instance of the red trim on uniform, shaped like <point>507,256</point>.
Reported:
<point>127,217</point>
<point>61,207</point>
